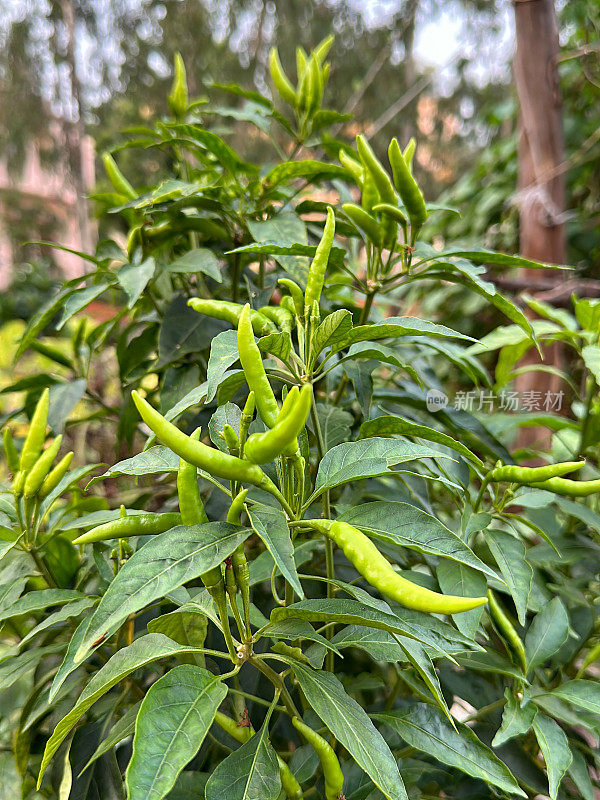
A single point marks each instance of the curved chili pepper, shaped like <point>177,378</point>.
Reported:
<point>371,564</point>
<point>332,772</point>
<point>262,448</point>
<point>231,312</point>
<point>256,377</point>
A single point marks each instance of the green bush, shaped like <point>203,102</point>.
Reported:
<point>208,638</point>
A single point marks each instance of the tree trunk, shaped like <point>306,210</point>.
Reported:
<point>541,183</point>
<point>79,156</point>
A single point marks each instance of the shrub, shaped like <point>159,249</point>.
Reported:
<point>292,601</point>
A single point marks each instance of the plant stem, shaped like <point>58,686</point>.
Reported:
<point>279,684</point>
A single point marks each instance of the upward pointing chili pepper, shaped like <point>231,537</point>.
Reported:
<point>262,448</point>
<point>316,273</point>
<point>36,435</point>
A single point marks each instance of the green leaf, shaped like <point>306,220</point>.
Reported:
<point>200,259</point>
<point>468,275</point>
<point>13,668</point>
<point>579,774</point>
<point>172,723</point>
<point>186,626</point>
<point>39,600</point>
<point>154,461</point>
<point>555,748</point>
<point>142,651</point>
<point>122,729</point>
<point>547,633</point>
<point>278,344</point>
<point>310,169</point>
<point>389,424</point>
<point>78,300</point>
<point>167,561</point>
<point>516,719</point>
<point>283,231</point>
<point>334,329</point>
<point>210,142</point>
<point>227,414</point>
<point>489,662</point>
<point>591,357</point>
<point>297,629</point>
<point>271,525</point>
<point>379,644</point>
<point>353,612</point>
<point>63,399</point>
<point>381,354</point>
<point>250,773</point>
<point>580,693</point>
<point>352,727</point>
<point>184,331</point>
<point>69,611</point>
<point>428,730</point>
<point>336,424</point>
<point>497,259</point>
<point>422,663</point>
<point>394,327</point>
<point>409,526</point>
<point>460,579</point>
<point>134,278</point>
<point>43,317</point>
<point>223,353</point>
<point>509,553</point>
<point>367,458</point>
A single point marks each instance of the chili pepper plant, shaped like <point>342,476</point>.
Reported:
<point>308,578</point>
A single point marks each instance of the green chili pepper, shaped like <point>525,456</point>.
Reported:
<point>280,79</point>
<point>409,152</point>
<point>231,312</point>
<point>262,448</point>
<point>528,475</point>
<point>569,488</point>
<point>354,167</point>
<point>133,525</point>
<point>315,92</point>
<point>301,62</point>
<point>191,506</point>
<point>316,273</point>
<point>369,195</point>
<point>18,484</point>
<point>178,98</point>
<point>591,658</point>
<point>56,475</point>
<point>36,435</point>
<point>256,377</point>
<point>371,564</point>
<point>246,419</point>
<point>281,316</point>
<point>332,772</point>
<point>409,191</point>
<point>287,303</point>
<point>290,399</point>
<point>296,293</point>
<point>321,50</point>
<point>391,211</point>
<point>231,439</point>
<point>364,222</point>
<point>241,734</point>
<point>116,177</point>
<point>207,458</point>
<point>10,451</point>
<point>507,630</point>
<point>373,165</point>
<point>41,468</point>
<point>239,562</point>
